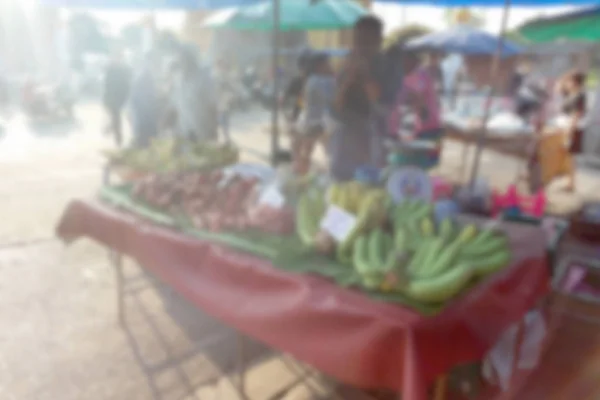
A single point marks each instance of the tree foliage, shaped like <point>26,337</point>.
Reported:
<point>404,33</point>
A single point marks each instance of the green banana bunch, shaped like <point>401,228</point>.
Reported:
<point>375,258</point>
<point>371,214</point>
<point>309,212</point>
<point>445,262</point>
<point>409,212</point>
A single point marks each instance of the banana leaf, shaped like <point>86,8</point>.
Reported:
<point>286,253</point>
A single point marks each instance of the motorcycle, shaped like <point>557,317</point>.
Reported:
<point>47,101</point>
<point>258,91</point>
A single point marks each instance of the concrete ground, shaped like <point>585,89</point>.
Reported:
<point>60,337</point>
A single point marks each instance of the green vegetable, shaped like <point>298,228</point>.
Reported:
<point>433,255</point>
<point>377,249</point>
<point>311,207</point>
<point>360,256</point>
<point>444,260</point>
<point>416,263</point>
<point>446,229</point>
<point>370,210</point>
<point>489,265</point>
<point>441,288</point>
<point>483,249</point>
<point>427,227</point>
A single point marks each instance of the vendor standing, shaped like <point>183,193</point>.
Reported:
<point>117,82</point>
<point>195,98</point>
<point>293,105</point>
<point>354,129</point>
<point>317,99</point>
<point>419,96</point>
<point>144,102</point>
<point>574,107</point>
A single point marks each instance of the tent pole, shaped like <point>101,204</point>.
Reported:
<point>275,68</point>
<point>495,68</point>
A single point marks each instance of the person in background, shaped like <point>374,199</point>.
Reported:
<point>420,95</point>
<point>144,103</point>
<point>117,83</point>
<point>529,92</point>
<point>434,62</point>
<point>357,96</point>
<point>292,96</point>
<point>518,77</point>
<point>195,99</point>
<point>293,105</point>
<point>226,93</point>
<point>318,99</point>
<point>574,106</point>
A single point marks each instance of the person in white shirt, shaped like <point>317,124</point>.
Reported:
<point>319,92</point>
<point>195,99</point>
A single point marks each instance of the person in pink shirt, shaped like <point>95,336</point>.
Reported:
<point>419,97</point>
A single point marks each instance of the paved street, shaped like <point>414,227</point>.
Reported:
<point>59,333</point>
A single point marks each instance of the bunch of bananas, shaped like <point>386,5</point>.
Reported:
<point>369,205</point>
<point>350,196</point>
<point>427,263</point>
<point>163,155</point>
<point>309,213</point>
<point>399,248</point>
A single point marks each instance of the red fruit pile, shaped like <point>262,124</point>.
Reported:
<point>213,201</point>
<point>280,221</point>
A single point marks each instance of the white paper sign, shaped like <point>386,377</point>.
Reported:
<point>338,223</point>
<point>272,197</point>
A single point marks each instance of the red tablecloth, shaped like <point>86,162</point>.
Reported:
<point>341,332</point>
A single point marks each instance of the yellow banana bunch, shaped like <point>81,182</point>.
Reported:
<point>371,214</point>
<point>347,195</point>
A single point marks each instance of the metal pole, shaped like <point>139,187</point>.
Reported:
<point>486,115</point>
<point>275,67</point>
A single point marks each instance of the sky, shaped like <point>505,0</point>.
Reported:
<point>434,17</point>
<point>393,16</point>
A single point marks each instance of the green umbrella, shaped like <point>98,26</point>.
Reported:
<point>293,15</point>
<point>578,26</point>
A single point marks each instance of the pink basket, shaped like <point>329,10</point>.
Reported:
<point>534,205</point>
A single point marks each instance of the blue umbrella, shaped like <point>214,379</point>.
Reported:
<point>464,40</point>
<point>148,4</point>
<point>492,3</point>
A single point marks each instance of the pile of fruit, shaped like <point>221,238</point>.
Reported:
<point>399,248</point>
<point>367,203</point>
<point>214,200</point>
<point>168,155</point>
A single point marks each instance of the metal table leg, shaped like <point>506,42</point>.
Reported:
<point>117,261</point>
<point>241,366</point>
<point>441,388</point>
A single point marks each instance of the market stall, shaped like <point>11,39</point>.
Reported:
<point>518,144</point>
<point>361,341</point>
<point>318,298</point>
<point>380,282</point>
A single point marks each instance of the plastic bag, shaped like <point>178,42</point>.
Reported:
<point>499,362</point>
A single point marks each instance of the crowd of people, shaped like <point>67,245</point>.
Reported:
<point>376,96</point>
<point>355,111</point>
<point>396,95</point>
<point>170,92</point>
